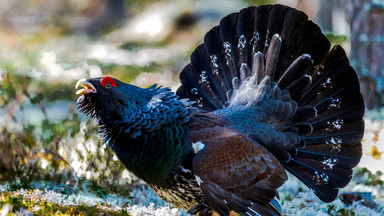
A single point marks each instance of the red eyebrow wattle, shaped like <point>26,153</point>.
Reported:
<point>108,79</point>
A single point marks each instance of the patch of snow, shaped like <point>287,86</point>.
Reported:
<point>138,210</point>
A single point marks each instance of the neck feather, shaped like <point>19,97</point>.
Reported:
<point>154,142</point>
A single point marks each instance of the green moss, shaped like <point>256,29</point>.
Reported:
<point>335,38</point>
<point>98,190</point>
<point>368,178</point>
<point>40,206</point>
<point>288,198</point>
<point>333,210</point>
<point>260,2</point>
<point>302,205</point>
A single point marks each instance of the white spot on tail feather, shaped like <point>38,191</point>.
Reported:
<point>327,83</point>
<point>336,144</point>
<point>335,102</point>
<point>242,42</point>
<point>214,65</point>
<point>335,125</point>
<point>334,140</point>
<point>320,178</point>
<point>329,163</point>
<point>254,40</point>
<point>227,51</point>
<point>194,91</point>
<point>266,44</point>
<point>197,146</point>
<point>204,77</point>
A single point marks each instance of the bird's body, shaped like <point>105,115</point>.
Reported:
<point>262,94</point>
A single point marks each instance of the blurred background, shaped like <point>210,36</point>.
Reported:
<point>47,45</point>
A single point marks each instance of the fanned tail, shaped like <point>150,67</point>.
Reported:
<point>247,38</point>
<point>332,107</point>
<point>281,43</point>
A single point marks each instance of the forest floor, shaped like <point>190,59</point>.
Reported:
<point>295,198</point>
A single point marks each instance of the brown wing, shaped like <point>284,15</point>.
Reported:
<point>236,173</point>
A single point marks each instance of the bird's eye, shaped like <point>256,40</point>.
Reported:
<point>108,82</point>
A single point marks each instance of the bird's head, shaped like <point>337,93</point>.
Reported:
<point>110,100</point>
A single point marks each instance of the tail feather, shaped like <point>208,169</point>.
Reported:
<point>308,176</point>
<point>298,68</point>
<point>346,156</point>
<point>272,55</point>
<point>338,129</point>
<point>332,76</point>
<point>337,121</point>
<point>299,86</point>
<point>334,177</point>
<point>210,84</point>
<point>338,104</point>
<point>325,168</point>
<point>352,136</point>
<point>304,113</point>
<point>230,50</point>
<point>281,43</point>
<point>327,155</point>
<point>306,39</point>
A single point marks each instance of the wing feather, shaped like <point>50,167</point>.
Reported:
<point>236,173</point>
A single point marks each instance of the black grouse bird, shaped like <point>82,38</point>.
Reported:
<point>262,95</point>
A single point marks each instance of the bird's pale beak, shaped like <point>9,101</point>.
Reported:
<point>88,87</point>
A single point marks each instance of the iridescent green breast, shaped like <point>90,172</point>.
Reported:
<point>156,155</point>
